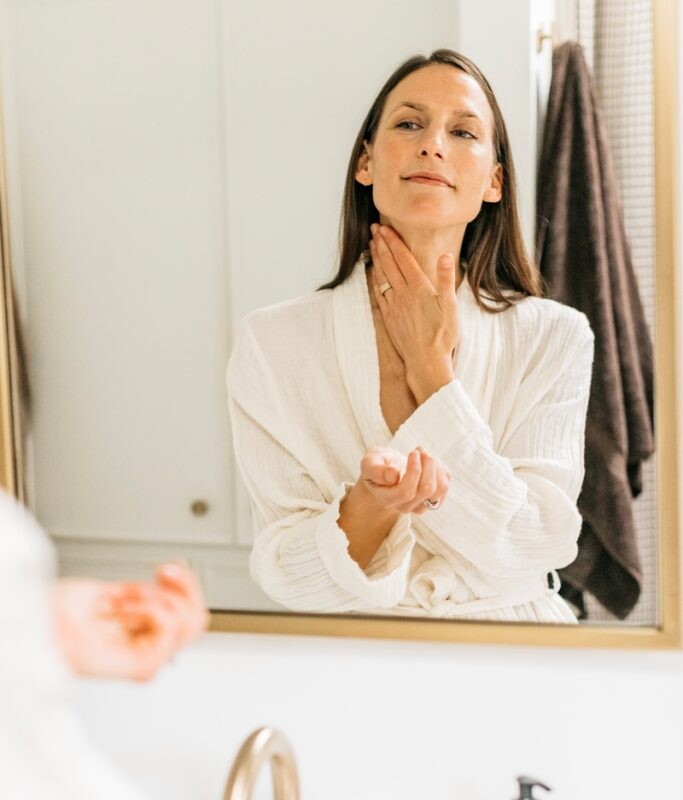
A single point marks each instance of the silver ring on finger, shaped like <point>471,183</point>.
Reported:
<point>432,504</point>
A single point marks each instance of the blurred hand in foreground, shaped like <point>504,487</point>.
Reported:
<point>128,629</point>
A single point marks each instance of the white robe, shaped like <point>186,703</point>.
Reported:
<point>304,399</point>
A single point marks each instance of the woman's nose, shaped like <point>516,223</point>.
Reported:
<point>432,143</point>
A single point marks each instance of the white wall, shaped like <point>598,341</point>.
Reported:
<point>402,721</point>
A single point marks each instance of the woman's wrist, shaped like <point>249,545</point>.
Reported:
<point>365,522</point>
<point>362,498</point>
<point>429,378</point>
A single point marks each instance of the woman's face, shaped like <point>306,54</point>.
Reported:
<point>435,120</point>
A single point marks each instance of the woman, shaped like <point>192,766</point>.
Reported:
<point>84,626</point>
<point>412,433</point>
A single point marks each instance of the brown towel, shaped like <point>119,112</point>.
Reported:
<point>585,260</point>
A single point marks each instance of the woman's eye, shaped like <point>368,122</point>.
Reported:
<point>404,124</point>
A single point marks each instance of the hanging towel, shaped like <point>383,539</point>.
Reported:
<point>585,260</point>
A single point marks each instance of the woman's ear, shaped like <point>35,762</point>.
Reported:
<point>494,192</point>
<point>364,168</point>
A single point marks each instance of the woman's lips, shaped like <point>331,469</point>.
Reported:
<point>429,181</point>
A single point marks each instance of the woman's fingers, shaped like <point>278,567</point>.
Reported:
<point>440,492</point>
<point>400,255</point>
<point>427,487</point>
<point>183,592</point>
<point>153,639</point>
<point>379,276</point>
<point>118,595</point>
<point>433,485</point>
<point>404,493</point>
<point>428,483</point>
<point>404,483</point>
<point>381,299</point>
<point>383,257</point>
<point>397,495</point>
<point>411,479</point>
<point>128,629</point>
<point>173,606</point>
<point>382,466</point>
<point>445,278</point>
<point>178,578</point>
<point>138,636</point>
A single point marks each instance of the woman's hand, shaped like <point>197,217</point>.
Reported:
<point>128,630</point>
<point>390,484</point>
<point>421,319</point>
<point>402,483</point>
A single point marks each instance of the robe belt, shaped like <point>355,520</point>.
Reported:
<point>530,591</point>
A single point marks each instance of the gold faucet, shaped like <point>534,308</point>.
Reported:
<point>264,744</point>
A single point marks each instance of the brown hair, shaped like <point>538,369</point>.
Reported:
<point>492,247</point>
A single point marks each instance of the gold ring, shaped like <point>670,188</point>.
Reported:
<point>384,288</point>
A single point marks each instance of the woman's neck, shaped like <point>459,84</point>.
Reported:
<point>428,244</point>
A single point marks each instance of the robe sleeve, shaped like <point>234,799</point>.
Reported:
<point>511,511</point>
<point>300,554</point>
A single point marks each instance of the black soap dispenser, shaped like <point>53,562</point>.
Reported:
<point>526,787</point>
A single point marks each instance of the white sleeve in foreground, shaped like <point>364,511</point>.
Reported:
<point>511,513</point>
<point>300,554</point>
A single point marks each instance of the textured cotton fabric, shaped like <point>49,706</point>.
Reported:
<point>44,750</point>
<point>303,393</point>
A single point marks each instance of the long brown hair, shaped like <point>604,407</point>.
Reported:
<point>492,247</point>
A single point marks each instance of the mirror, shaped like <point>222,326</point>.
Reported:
<point>171,168</point>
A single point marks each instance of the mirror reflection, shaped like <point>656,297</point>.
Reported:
<point>408,444</point>
<point>430,276</point>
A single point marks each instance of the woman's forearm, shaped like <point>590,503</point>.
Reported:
<point>365,523</point>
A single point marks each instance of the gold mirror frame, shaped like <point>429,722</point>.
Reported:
<point>10,436</point>
<point>666,635</point>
